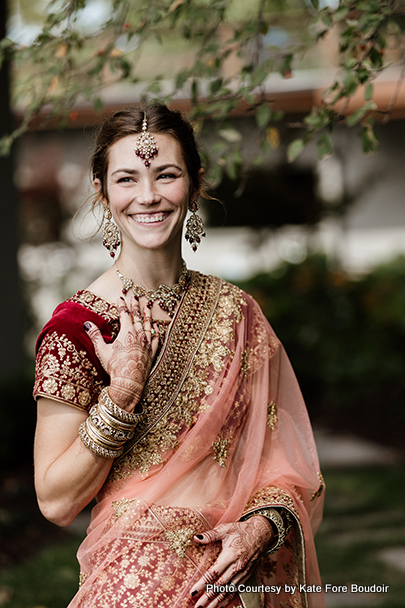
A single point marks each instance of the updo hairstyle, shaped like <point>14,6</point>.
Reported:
<point>129,122</point>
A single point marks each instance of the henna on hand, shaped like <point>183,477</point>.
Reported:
<point>128,360</point>
<point>129,367</point>
<point>242,543</point>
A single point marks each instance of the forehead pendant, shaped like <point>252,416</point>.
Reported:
<point>146,147</point>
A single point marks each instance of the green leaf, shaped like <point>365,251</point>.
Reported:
<point>295,149</point>
<point>354,118</point>
<point>369,91</point>
<point>263,116</point>
<point>315,4</point>
<point>230,135</point>
<point>341,13</point>
<point>350,83</point>
<point>324,146</point>
<point>376,58</point>
<point>369,141</point>
<point>98,104</point>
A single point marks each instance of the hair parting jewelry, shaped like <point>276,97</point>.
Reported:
<point>194,226</point>
<point>108,427</point>
<point>111,233</point>
<point>146,147</point>
<point>167,297</point>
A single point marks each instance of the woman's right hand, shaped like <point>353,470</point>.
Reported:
<point>129,358</point>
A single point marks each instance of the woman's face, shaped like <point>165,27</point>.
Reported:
<point>149,204</point>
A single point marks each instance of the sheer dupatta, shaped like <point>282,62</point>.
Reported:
<point>225,432</point>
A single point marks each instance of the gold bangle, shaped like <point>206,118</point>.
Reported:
<point>116,411</point>
<point>96,436</point>
<point>94,447</point>
<point>112,421</point>
<point>108,428</point>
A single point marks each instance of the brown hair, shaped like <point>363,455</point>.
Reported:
<point>129,122</point>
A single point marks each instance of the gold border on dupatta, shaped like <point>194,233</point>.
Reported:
<point>183,339</point>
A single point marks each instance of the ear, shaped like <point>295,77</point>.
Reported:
<point>196,193</point>
<point>98,188</point>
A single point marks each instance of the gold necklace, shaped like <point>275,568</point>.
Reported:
<point>167,297</point>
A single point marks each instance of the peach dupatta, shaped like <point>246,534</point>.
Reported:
<point>225,433</point>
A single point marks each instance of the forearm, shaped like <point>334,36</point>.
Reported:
<point>67,484</point>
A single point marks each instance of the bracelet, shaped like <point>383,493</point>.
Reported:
<point>95,447</point>
<point>117,412</point>
<point>108,427</point>
<point>275,518</point>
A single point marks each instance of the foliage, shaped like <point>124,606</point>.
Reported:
<point>69,62</point>
<point>345,337</point>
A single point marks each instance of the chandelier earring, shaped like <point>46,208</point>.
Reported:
<point>111,233</point>
<point>194,226</point>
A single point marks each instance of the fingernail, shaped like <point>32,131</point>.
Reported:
<point>87,326</point>
<point>200,537</point>
<point>193,593</point>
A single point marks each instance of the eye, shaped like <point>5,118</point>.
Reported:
<point>124,180</point>
<point>167,176</point>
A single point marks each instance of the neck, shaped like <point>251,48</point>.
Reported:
<point>151,268</point>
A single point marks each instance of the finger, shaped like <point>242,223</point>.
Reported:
<point>94,333</point>
<point>147,323</point>
<point>211,536</point>
<point>155,339</point>
<point>100,346</point>
<point>123,311</point>
<point>136,314</point>
<point>224,592</point>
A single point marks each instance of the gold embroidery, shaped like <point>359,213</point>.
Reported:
<point>321,487</point>
<point>140,555</point>
<point>65,373</point>
<point>82,578</point>
<point>296,490</point>
<point>272,417</point>
<point>271,496</point>
<point>180,539</point>
<point>221,451</point>
<point>200,383</point>
<point>121,506</point>
<point>98,305</point>
<point>244,363</point>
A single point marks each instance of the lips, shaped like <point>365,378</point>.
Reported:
<point>150,218</point>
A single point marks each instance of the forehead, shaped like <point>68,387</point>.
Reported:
<point>123,151</point>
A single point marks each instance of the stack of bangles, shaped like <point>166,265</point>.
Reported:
<point>281,525</point>
<point>108,427</point>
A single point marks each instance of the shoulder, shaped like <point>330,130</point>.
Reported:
<point>68,318</point>
<point>67,368</point>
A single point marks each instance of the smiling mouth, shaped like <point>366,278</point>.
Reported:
<point>151,218</point>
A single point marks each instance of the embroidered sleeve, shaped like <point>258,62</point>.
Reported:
<point>64,372</point>
<point>67,368</point>
<point>271,496</point>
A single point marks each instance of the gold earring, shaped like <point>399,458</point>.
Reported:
<point>111,233</point>
<point>194,226</point>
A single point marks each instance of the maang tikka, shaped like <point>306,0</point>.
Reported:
<point>111,233</point>
<point>194,226</point>
<point>146,147</point>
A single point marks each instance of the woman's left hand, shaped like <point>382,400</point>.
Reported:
<point>242,543</point>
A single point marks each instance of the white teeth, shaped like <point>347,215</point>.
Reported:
<point>150,219</point>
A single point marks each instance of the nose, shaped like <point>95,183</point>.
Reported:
<point>147,194</point>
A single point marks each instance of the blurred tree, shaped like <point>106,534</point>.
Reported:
<point>12,358</point>
<point>233,48</point>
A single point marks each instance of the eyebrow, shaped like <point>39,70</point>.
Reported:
<point>156,169</point>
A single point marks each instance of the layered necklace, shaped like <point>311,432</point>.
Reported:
<point>167,297</point>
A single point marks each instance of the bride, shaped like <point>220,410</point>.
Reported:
<point>164,394</point>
